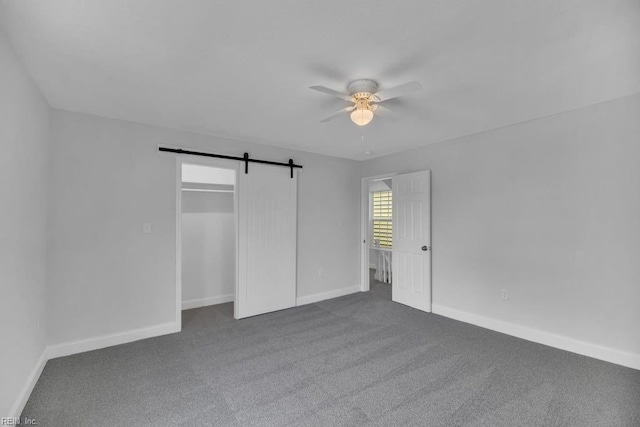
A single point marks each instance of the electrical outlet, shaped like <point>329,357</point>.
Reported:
<point>505,294</point>
<point>321,273</point>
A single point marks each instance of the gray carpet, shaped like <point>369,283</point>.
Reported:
<point>355,360</point>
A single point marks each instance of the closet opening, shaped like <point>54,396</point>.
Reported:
<point>207,235</point>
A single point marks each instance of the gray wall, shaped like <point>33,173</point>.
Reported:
<point>548,209</point>
<point>24,150</point>
<point>208,245</point>
<point>109,178</point>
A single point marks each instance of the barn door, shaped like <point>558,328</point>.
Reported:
<point>267,214</point>
<point>412,240</point>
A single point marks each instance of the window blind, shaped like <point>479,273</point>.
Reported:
<point>382,212</point>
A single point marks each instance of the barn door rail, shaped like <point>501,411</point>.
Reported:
<point>245,158</point>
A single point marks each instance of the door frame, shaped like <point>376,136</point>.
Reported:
<point>201,161</point>
<point>364,227</point>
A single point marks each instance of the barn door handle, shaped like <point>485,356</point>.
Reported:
<point>425,248</point>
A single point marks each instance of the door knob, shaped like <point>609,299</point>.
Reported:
<point>425,248</point>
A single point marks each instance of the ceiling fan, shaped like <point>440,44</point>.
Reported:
<point>366,98</point>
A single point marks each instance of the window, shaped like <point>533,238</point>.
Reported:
<point>381,222</point>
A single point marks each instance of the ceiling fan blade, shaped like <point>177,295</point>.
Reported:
<point>385,112</point>
<point>394,92</point>
<point>331,92</point>
<point>336,114</point>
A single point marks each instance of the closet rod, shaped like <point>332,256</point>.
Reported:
<point>244,158</point>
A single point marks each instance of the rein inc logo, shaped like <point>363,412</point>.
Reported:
<point>18,421</point>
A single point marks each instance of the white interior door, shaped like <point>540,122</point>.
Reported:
<point>267,208</point>
<point>411,283</point>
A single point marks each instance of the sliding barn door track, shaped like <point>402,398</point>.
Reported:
<point>245,158</point>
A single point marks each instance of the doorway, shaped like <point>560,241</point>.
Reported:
<point>206,238</point>
<point>247,253</point>
<point>372,251</point>
<point>208,235</point>
<point>380,225</point>
<point>396,236</point>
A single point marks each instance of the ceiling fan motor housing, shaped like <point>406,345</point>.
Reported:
<point>362,88</point>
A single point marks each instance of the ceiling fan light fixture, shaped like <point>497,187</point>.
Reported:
<point>365,95</point>
<point>361,116</point>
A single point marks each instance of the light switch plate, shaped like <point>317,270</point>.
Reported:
<point>146,227</point>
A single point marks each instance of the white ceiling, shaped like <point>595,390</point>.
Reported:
<point>242,69</point>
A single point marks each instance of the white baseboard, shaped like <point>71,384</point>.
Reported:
<point>66,349</point>
<point>74,347</point>
<point>23,397</point>
<point>202,302</point>
<point>309,299</point>
<point>607,354</point>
